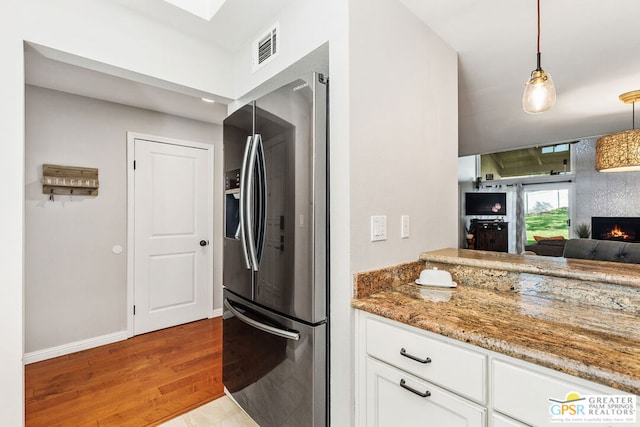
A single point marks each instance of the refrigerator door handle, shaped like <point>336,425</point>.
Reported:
<point>243,197</point>
<point>262,208</point>
<point>250,224</point>
<point>290,335</point>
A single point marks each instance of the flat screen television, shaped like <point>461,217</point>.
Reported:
<point>485,203</point>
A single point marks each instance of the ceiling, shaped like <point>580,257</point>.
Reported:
<point>590,49</point>
<point>237,21</point>
<point>223,30</point>
<point>48,73</point>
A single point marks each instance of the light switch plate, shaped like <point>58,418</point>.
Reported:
<point>404,226</point>
<point>378,228</point>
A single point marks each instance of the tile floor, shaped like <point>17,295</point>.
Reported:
<point>222,412</point>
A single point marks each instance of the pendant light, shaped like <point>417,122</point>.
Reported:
<point>539,93</point>
<point>620,152</point>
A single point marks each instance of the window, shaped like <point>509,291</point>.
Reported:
<point>534,161</point>
<point>555,148</point>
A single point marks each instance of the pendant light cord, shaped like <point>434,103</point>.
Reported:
<point>538,26</point>
<point>538,51</point>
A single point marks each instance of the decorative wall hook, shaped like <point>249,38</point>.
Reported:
<point>69,180</point>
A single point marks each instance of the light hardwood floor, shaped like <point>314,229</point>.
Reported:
<point>142,381</point>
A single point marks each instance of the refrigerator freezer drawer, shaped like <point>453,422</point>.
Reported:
<point>274,367</point>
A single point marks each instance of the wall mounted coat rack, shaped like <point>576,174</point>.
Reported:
<point>69,180</point>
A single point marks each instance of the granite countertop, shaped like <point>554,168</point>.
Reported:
<point>586,270</point>
<point>579,318</point>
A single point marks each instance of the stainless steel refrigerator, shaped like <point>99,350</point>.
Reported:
<point>275,362</point>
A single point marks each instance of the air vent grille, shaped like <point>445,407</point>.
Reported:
<point>266,47</point>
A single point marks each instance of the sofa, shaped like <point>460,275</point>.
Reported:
<point>547,247</point>
<point>602,250</point>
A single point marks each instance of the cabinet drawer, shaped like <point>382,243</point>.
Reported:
<point>391,404</point>
<point>449,366</point>
<point>498,420</point>
<point>524,393</point>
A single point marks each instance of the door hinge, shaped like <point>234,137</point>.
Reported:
<point>134,165</point>
<point>134,310</point>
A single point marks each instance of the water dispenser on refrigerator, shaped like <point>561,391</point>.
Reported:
<point>232,204</point>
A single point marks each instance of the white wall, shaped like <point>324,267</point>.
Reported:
<point>75,287</point>
<point>403,134</point>
<point>127,42</point>
<point>341,315</point>
<point>304,26</point>
<point>11,215</point>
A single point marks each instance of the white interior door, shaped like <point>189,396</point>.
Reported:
<point>172,230</point>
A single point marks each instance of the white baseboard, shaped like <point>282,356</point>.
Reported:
<point>61,350</point>
<point>216,313</point>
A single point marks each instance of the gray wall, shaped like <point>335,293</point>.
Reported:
<point>75,287</point>
<point>403,150</point>
<point>602,194</point>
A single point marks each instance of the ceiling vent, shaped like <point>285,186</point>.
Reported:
<point>266,47</point>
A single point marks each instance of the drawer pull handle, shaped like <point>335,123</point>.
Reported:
<point>404,353</point>
<point>404,385</point>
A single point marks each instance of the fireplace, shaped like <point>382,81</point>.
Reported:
<point>624,229</point>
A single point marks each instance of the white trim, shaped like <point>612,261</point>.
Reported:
<point>130,231</point>
<point>571,196</point>
<point>61,350</point>
<point>131,137</point>
<point>161,139</point>
<point>216,313</point>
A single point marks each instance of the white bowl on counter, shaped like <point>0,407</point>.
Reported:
<point>436,278</point>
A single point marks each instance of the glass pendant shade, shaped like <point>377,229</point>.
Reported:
<point>539,93</point>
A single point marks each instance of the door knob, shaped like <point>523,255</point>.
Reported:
<point>204,242</point>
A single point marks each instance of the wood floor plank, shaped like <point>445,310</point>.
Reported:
<point>142,381</point>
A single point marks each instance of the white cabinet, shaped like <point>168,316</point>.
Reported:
<point>524,392</point>
<point>498,420</point>
<point>396,398</point>
<point>468,386</point>
<point>457,369</point>
<point>409,379</point>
